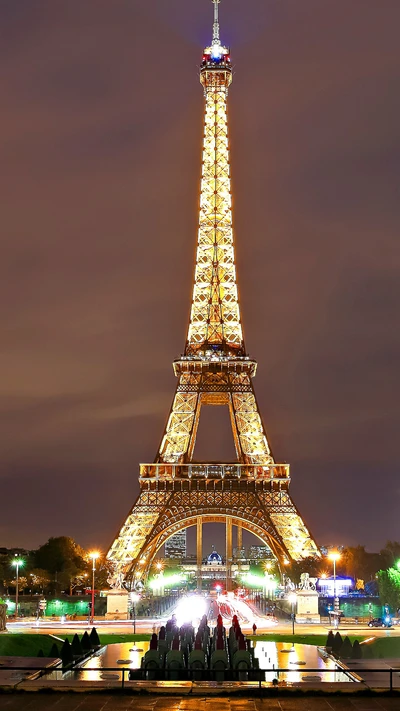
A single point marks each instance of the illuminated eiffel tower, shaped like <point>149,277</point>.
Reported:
<point>175,493</point>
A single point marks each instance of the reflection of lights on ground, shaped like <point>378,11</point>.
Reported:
<point>190,609</point>
<point>96,662</point>
<point>271,657</point>
<point>243,610</point>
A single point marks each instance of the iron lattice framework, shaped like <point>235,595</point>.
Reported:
<point>214,370</point>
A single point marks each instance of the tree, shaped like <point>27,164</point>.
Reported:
<point>358,563</point>
<point>309,565</point>
<point>3,575</point>
<point>104,570</point>
<point>64,559</point>
<point>39,579</point>
<point>390,554</point>
<point>59,553</point>
<point>389,588</point>
<point>346,650</point>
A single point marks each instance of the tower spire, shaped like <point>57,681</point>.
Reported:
<point>216,39</point>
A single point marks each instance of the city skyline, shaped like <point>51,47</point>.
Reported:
<point>105,173</point>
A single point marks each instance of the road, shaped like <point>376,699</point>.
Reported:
<point>227,606</point>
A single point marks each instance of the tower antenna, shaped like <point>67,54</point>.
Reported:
<point>216,40</point>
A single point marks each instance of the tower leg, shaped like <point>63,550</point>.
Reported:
<point>199,550</point>
<point>239,537</point>
<point>228,553</point>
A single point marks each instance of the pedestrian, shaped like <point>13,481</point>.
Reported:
<point>254,629</point>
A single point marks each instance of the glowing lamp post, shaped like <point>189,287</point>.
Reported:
<point>94,557</point>
<point>17,562</point>
<point>334,557</point>
<point>293,599</point>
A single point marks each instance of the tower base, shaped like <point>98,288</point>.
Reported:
<point>117,605</point>
<point>307,607</point>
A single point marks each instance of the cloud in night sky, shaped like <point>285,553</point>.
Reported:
<point>100,147</point>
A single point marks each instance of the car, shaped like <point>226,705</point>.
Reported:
<point>380,622</point>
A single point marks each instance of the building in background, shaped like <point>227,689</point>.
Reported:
<point>175,547</point>
<point>339,586</point>
<point>259,553</point>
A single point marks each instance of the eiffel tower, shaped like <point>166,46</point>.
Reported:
<point>175,493</point>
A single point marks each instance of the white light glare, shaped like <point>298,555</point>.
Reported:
<point>190,609</point>
<point>216,51</point>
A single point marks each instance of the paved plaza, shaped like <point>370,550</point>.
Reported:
<point>100,702</point>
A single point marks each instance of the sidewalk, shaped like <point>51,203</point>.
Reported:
<point>102,702</point>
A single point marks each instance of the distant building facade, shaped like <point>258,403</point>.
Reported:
<point>213,569</point>
<point>340,585</point>
<point>259,553</point>
<point>175,547</point>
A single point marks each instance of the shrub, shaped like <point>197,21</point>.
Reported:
<point>86,643</point>
<point>94,638</point>
<point>66,653</point>
<point>54,651</point>
<point>330,639</point>
<point>76,646</point>
<point>346,650</point>
<point>337,642</point>
<point>40,653</point>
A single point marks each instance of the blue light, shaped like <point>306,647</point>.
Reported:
<point>216,51</point>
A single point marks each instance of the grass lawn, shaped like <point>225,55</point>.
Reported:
<point>28,645</point>
<point>385,647</point>
<point>318,640</point>
<point>25,645</point>
<point>115,638</point>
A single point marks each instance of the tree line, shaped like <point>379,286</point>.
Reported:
<point>58,566</point>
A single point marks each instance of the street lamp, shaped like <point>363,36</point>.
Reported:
<point>134,599</point>
<point>94,557</point>
<point>334,557</point>
<point>293,599</point>
<point>17,562</point>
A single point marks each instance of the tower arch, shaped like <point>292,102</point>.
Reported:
<point>167,528</point>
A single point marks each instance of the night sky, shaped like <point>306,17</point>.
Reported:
<point>100,143</point>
